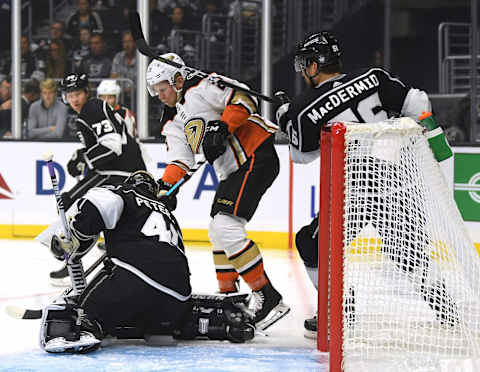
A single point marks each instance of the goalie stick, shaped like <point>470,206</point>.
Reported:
<point>75,269</point>
<point>145,49</point>
<point>18,312</point>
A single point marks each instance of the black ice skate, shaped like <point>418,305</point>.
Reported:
<point>60,277</point>
<point>268,307</point>
<point>310,326</point>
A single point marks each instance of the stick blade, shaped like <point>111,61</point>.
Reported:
<point>21,313</point>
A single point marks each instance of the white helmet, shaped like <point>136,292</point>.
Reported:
<point>158,71</point>
<point>109,87</point>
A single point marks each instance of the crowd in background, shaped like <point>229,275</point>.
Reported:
<point>96,40</point>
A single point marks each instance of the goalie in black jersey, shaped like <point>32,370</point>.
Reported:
<point>144,287</point>
<point>368,95</point>
<point>109,153</point>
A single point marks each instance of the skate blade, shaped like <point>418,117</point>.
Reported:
<point>311,335</point>
<point>61,282</point>
<point>277,313</point>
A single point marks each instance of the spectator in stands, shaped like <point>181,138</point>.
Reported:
<point>56,61</point>
<point>28,64</point>
<point>30,93</point>
<point>97,65</point>
<point>82,49</point>
<point>83,17</point>
<point>57,33</point>
<point>178,18</point>
<point>47,117</point>
<point>212,7</point>
<point>6,107</point>
<point>124,63</point>
<point>160,25</point>
<point>30,61</point>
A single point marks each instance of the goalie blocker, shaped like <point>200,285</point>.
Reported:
<point>144,286</point>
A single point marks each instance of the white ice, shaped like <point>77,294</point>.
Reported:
<point>24,270</point>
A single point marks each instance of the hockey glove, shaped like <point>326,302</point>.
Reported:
<point>213,144</point>
<point>76,165</point>
<point>282,110</point>
<point>61,245</point>
<point>169,201</point>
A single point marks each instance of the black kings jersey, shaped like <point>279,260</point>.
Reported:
<point>368,95</point>
<point>110,149</point>
<point>141,234</point>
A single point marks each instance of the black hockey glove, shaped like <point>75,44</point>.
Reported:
<point>76,165</point>
<point>282,110</point>
<point>213,144</point>
<point>169,201</point>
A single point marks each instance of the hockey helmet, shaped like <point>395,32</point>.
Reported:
<point>159,71</point>
<point>73,82</point>
<point>109,88</point>
<point>144,181</point>
<point>321,47</point>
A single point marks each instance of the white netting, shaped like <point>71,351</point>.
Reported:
<point>410,267</point>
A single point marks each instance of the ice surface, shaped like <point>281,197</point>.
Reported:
<point>24,268</point>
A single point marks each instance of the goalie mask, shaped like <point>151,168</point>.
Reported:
<point>159,71</point>
<point>144,181</point>
<point>319,47</point>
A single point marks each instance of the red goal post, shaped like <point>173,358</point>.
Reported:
<point>399,276</point>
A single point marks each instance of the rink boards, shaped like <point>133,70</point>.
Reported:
<point>27,205</point>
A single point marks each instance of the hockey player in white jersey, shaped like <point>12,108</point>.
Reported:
<point>224,125</point>
<point>108,90</point>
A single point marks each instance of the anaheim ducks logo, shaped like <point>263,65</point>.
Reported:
<point>194,130</point>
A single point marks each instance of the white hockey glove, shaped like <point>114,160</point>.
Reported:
<point>60,245</point>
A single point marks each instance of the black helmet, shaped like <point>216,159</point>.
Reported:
<point>144,181</point>
<point>73,82</point>
<point>321,47</point>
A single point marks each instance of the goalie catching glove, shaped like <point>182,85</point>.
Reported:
<point>213,144</point>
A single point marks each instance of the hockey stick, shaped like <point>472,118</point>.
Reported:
<point>75,269</point>
<point>187,176</point>
<point>145,49</point>
<point>18,312</point>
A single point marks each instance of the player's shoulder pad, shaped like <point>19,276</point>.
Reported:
<point>189,84</point>
<point>94,110</point>
<point>108,203</point>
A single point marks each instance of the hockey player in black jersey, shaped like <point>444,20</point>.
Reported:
<point>368,95</point>
<point>109,153</point>
<point>144,287</point>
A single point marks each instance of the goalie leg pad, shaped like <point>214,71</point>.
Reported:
<point>218,317</point>
<point>66,328</point>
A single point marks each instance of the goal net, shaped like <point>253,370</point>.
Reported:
<point>402,278</point>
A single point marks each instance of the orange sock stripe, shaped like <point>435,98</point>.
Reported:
<point>255,277</point>
<point>247,247</point>
<point>226,280</point>
<point>243,185</point>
